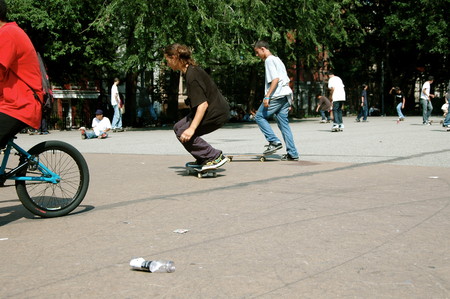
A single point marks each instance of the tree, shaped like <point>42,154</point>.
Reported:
<point>404,41</point>
<point>61,31</point>
<point>365,40</point>
<point>220,32</point>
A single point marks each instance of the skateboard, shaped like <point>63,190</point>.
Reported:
<point>337,129</point>
<point>191,168</point>
<point>260,157</point>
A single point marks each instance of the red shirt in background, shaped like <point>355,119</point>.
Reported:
<point>19,63</point>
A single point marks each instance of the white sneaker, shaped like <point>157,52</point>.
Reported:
<point>216,163</point>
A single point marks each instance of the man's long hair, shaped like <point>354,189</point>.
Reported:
<point>181,52</point>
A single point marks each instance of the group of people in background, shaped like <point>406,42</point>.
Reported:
<point>327,108</point>
<point>425,103</point>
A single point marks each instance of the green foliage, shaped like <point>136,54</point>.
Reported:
<point>102,39</point>
<point>61,31</point>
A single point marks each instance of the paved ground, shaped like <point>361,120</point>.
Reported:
<point>364,213</point>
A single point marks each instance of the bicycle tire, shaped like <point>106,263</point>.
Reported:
<point>53,200</point>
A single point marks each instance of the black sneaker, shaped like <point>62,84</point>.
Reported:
<point>195,164</point>
<point>272,147</point>
<point>288,157</point>
<point>214,164</point>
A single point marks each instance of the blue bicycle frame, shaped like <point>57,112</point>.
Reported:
<point>47,175</point>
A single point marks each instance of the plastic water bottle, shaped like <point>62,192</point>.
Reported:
<point>152,266</point>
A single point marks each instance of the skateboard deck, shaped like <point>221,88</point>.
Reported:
<point>260,157</point>
<point>197,169</point>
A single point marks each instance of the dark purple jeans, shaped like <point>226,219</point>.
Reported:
<point>201,150</point>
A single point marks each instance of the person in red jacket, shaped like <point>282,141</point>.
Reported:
<point>20,80</point>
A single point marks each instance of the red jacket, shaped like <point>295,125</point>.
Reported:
<point>19,64</point>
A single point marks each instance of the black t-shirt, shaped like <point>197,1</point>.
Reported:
<point>399,97</point>
<point>201,88</point>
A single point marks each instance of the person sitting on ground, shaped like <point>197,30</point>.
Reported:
<point>100,125</point>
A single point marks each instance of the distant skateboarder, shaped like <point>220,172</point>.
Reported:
<point>209,109</point>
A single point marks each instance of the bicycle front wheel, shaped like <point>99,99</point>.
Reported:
<point>53,200</point>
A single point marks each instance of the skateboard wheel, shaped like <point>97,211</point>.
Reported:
<point>230,158</point>
<point>262,159</point>
<point>215,174</point>
<point>199,175</point>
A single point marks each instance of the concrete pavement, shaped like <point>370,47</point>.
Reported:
<point>364,214</point>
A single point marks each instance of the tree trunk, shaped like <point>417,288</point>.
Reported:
<point>129,118</point>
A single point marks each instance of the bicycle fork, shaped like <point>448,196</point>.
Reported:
<point>31,162</point>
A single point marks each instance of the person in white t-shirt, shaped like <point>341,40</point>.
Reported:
<point>337,97</point>
<point>115,101</point>
<point>425,100</point>
<point>100,127</point>
<point>277,102</point>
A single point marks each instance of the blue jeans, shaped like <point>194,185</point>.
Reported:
<point>325,114</point>
<point>447,120</point>
<point>427,107</point>
<point>91,134</point>
<point>363,112</point>
<point>117,119</point>
<point>280,109</point>
<point>337,112</point>
<point>399,110</point>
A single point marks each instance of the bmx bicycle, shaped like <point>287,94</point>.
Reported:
<point>51,180</point>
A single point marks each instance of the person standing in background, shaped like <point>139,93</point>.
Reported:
<point>425,100</point>
<point>337,97</point>
<point>399,98</point>
<point>446,123</point>
<point>115,101</point>
<point>364,110</point>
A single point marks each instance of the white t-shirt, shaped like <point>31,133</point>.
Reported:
<point>275,69</point>
<point>114,92</point>
<point>100,126</point>
<point>427,87</point>
<point>339,92</point>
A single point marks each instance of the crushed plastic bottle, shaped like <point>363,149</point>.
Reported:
<point>152,266</point>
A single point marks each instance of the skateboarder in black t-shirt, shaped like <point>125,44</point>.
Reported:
<point>209,109</point>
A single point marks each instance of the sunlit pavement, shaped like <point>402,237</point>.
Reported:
<point>364,213</point>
